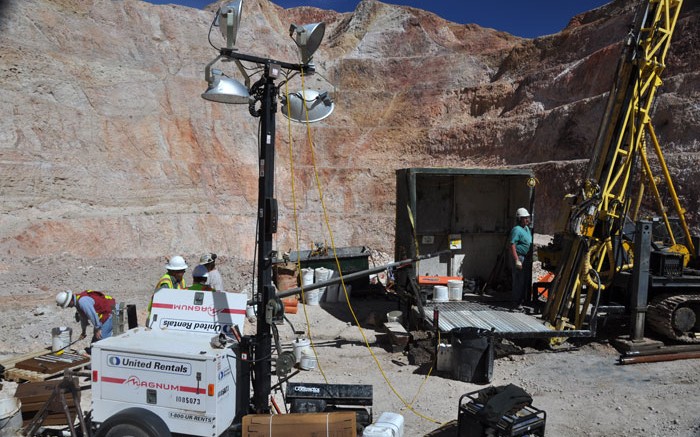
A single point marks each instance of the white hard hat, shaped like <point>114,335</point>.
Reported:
<point>63,298</point>
<point>207,258</point>
<point>522,212</point>
<point>176,263</point>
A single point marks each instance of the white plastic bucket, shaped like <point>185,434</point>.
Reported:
<point>388,425</point>
<point>394,316</point>
<point>60,337</point>
<point>308,360</point>
<point>307,276</point>
<point>455,289</point>
<point>10,417</point>
<point>332,291</point>
<point>312,297</point>
<point>250,313</point>
<point>322,274</point>
<point>300,344</point>
<point>378,431</point>
<point>440,293</point>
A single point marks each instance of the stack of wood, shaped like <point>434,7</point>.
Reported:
<point>34,396</point>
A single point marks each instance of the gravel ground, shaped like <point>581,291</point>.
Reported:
<point>582,389</point>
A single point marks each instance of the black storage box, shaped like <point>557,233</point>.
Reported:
<point>352,260</point>
<point>316,398</point>
<point>527,420</point>
<point>472,352</point>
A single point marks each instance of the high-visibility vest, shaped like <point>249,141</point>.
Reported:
<point>200,287</point>
<point>167,281</point>
<point>104,303</point>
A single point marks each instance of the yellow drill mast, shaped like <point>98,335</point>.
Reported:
<point>617,174</point>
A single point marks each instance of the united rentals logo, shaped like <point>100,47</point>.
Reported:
<point>190,325</point>
<point>161,366</point>
<point>224,373</point>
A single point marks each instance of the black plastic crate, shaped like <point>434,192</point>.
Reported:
<point>666,264</point>
<point>526,421</point>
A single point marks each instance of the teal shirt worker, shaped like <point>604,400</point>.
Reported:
<point>520,244</point>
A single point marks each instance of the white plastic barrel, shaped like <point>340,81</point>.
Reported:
<point>333,290</point>
<point>455,289</point>
<point>322,274</point>
<point>307,276</point>
<point>440,293</point>
<point>312,297</point>
<point>308,360</point>
<point>388,425</point>
<point>60,337</point>
<point>300,344</point>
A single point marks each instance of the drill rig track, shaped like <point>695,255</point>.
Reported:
<point>676,317</point>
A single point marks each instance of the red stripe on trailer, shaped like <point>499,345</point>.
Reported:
<point>163,305</point>
<point>232,311</point>
<point>114,380</point>
<point>199,391</point>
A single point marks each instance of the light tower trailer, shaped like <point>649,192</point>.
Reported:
<point>183,374</point>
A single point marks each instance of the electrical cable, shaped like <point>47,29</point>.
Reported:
<point>296,227</point>
<point>253,292</point>
<point>347,298</point>
<point>211,27</point>
<point>420,387</point>
<point>409,406</point>
<point>290,323</point>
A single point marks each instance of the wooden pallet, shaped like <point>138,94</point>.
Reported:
<point>35,395</point>
<point>43,366</point>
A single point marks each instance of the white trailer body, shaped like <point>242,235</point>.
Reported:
<point>172,369</point>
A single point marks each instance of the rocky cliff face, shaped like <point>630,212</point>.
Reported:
<point>108,150</point>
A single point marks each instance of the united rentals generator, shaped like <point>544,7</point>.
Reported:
<point>179,372</point>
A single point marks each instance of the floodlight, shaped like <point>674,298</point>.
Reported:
<point>307,37</point>
<point>229,19</point>
<point>318,105</point>
<point>307,105</point>
<point>224,89</point>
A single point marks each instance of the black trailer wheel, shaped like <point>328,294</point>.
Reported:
<point>134,422</point>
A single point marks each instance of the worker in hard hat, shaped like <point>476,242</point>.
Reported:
<point>199,279</point>
<point>92,307</point>
<point>214,279</point>
<point>175,275</point>
<point>520,244</point>
<point>174,278</point>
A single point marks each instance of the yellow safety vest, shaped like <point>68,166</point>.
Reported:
<point>166,281</point>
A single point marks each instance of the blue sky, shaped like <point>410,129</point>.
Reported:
<point>526,18</point>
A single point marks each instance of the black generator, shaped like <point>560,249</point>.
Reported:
<point>522,420</point>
